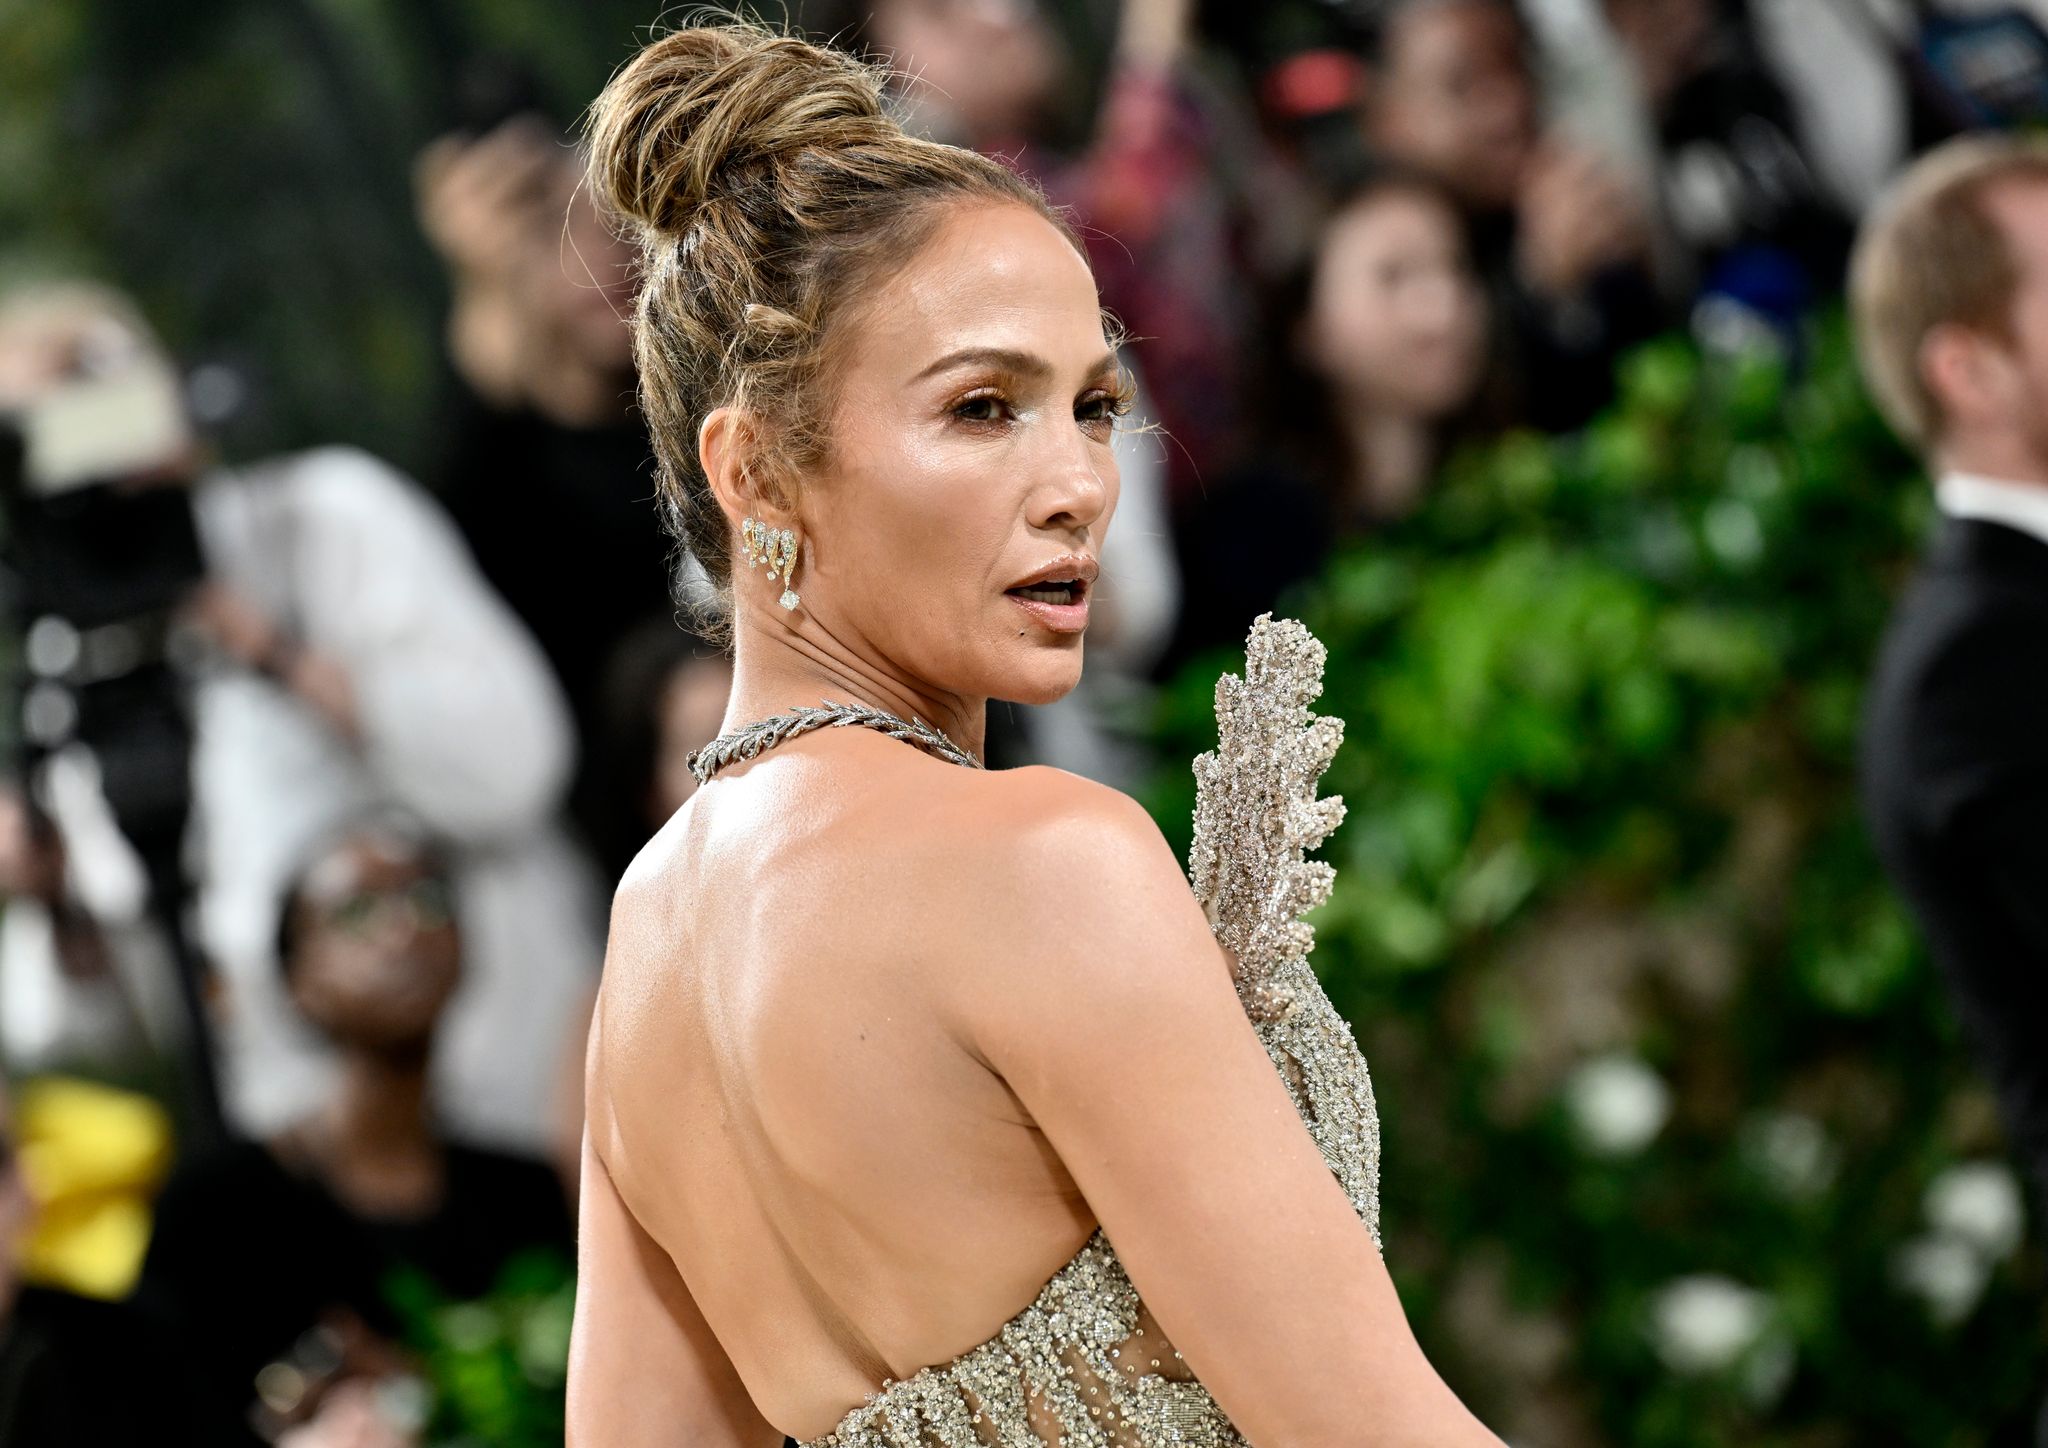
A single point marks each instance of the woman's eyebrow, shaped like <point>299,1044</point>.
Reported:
<point>1024,364</point>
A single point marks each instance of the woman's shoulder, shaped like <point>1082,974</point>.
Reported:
<point>921,809</point>
<point>1059,819</point>
<point>1025,830</point>
<point>955,864</point>
<point>1066,882</point>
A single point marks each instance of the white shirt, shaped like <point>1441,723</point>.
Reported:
<point>1994,500</point>
<point>462,722</point>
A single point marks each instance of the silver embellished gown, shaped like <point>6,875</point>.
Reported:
<point>1085,1363</point>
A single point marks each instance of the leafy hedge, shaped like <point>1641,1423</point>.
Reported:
<point>1681,1144</point>
<point>497,1366</point>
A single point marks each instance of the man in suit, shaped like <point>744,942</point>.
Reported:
<point>1950,295</point>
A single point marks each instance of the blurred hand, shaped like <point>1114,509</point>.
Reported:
<point>31,863</point>
<point>489,205</point>
<point>1578,216</point>
<point>480,198</point>
<point>246,634</point>
<point>236,626</point>
<point>1153,33</point>
<point>350,1416</point>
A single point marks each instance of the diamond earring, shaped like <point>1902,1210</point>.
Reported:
<point>773,549</point>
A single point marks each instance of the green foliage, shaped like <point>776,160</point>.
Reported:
<point>1640,1006</point>
<point>497,1366</point>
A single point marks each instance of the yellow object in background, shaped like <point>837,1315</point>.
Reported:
<point>93,1157</point>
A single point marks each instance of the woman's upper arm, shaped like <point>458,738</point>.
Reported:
<point>1100,996</point>
<point>645,1370</point>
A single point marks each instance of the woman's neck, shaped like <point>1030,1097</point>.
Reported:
<point>1389,456</point>
<point>777,668</point>
<point>382,1103</point>
<point>374,1143</point>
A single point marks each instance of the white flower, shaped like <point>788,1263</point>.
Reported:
<point>1618,1104</point>
<point>1978,1202</point>
<point>1732,531</point>
<point>1793,1152</point>
<point>1704,1322</point>
<point>1946,1273</point>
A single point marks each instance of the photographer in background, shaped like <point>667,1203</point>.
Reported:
<point>545,464</point>
<point>101,551</point>
<point>352,651</point>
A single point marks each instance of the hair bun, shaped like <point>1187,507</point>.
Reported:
<point>700,111</point>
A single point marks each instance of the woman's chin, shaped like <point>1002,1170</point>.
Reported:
<point>1042,680</point>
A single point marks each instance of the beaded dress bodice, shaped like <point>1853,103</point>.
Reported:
<point>1085,1363</point>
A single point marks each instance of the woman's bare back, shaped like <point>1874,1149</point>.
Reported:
<point>882,1041</point>
<point>779,1093</point>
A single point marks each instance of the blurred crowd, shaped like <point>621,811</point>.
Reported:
<point>429,719</point>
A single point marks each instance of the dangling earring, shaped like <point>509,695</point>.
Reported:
<point>773,549</point>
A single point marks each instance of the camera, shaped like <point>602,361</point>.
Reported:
<point>101,547</point>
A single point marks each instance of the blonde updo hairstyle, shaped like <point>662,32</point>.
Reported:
<point>770,190</point>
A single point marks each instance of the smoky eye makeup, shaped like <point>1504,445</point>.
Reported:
<point>989,407</point>
<point>1122,391</point>
<point>980,409</point>
<point>982,405</point>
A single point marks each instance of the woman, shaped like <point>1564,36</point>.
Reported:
<point>1379,347</point>
<point>890,1047</point>
<point>258,1242</point>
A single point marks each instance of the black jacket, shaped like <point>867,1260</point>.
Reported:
<point>246,1253</point>
<point>77,1373</point>
<point>1955,785</point>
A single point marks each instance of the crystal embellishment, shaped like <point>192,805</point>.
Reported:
<point>1256,811</point>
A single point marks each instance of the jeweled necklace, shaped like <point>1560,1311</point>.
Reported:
<point>750,739</point>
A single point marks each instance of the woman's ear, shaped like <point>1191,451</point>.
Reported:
<point>729,450</point>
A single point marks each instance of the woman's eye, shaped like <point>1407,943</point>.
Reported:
<point>1106,408</point>
<point>986,408</point>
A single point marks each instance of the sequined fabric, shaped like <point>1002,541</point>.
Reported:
<point>1085,1363</point>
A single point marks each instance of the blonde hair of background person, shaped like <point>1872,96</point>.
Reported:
<point>880,1039</point>
<point>1933,285</point>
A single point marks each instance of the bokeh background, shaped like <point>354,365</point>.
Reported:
<point>1504,346</point>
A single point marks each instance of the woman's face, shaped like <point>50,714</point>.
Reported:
<point>1396,320</point>
<point>970,454</point>
<point>377,954</point>
<point>991,65</point>
<point>1455,97</point>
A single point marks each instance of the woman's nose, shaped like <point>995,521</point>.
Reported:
<point>1076,499</point>
<point>1077,487</point>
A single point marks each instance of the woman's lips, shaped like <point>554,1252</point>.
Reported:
<point>1058,617</point>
